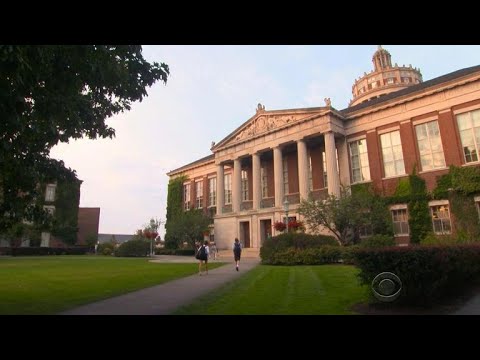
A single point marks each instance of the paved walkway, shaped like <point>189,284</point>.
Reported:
<point>165,298</point>
<point>471,307</point>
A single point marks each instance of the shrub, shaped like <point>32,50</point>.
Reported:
<point>108,245</point>
<point>378,241</point>
<point>427,272</point>
<point>107,251</point>
<point>133,248</point>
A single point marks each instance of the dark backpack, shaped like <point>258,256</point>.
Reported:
<point>237,249</point>
<point>202,253</point>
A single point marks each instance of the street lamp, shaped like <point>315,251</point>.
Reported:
<point>285,207</point>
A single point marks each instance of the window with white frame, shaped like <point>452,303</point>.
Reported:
<point>45,239</point>
<point>430,146</point>
<point>392,154</point>
<point>469,128</point>
<point>228,188</point>
<point>212,192</point>
<point>390,81</point>
<point>199,194</point>
<point>477,205</point>
<point>310,175</point>
<point>50,193</point>
<point>441,218</point>
<point>245,185</point>
<point>285,176</point>
<point>264,179</point>
<point>359,160</point>
<point>186,196</point>
<point>400,220</point>
<point>50,209</point>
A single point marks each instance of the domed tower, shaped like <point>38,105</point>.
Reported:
<point>384,78</point>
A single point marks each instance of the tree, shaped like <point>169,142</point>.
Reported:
<point>346,215</point>
<point>189,227</point>
<point>54,93</point>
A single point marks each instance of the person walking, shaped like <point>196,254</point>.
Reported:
<point>214,251</point>
<point>237,252</point>
<point>202,256</point>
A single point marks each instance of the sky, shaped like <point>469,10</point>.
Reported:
<point>211,91</point>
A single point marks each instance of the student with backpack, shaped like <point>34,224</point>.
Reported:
<point>202,256</point>
<point>237,252</point>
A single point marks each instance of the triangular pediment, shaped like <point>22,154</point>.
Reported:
<point>264,122</point>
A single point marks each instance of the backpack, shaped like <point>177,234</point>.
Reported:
<point>202,253</point>
<point>237,249</point>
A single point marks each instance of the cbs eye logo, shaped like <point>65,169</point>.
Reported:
<point>386,287</point>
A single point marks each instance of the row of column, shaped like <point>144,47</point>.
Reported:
<point>303,171</point>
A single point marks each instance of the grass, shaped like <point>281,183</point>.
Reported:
<point>271,290</point>
<point>51,284</point>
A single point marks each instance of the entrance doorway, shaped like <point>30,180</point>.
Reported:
<point>265,230</point>
<point>245,234</point>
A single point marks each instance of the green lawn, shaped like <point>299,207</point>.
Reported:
<point>50,284</point>
<point>325,289</point>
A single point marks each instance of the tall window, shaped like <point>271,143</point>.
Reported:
<point>212,192</point>
<point>392,154</point>
<point>264,179</point>
<point>469,127</point>
<point>244,185</point>
<point>359,160</point>
<point>430,145</point>
<point>477,205</point>
<point>400,221</point>
<point>310,175</point>
<point>228,188</point>
<point>50,193</point>
<point>285,176</point>
<point>441,219</point>
<point>186,196</point>
<point>199,194</point>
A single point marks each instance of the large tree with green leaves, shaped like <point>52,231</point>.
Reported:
<point>51,94</point>
<point>344,216</point>
<point>189,227</point>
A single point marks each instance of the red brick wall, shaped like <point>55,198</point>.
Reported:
<point>409,148</point>
<point>374,159</point>
<point>450,139</point>
<point>88,222</point>
<point>292,163</point>
<point>317,171</point>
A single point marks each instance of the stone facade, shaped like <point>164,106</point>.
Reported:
<point>286,154</point>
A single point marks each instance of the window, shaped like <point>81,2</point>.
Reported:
<point>400,221</point>
<point>390,81</point>
<point>324,161</point>
<point>359,161</point>
<point>469,128</point>
<point>392,154</point>
<point>228,188</point>
<point>441,219</point>
<point>50,193</point>
<point>186,196</point>
<point>477,205</point>
<point>50,209</point>
<point>45,239</point>
<point>406,80</point>
<point>212,192</point>
<point>264,179</point>
<point>245,185</point>
<point>430,146</point>
<point>285,176</point>
<point>365,231</point>
<point>199,194</point>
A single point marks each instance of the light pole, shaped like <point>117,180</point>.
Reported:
<point>285,207</point>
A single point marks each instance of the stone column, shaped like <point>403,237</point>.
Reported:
<point>220,189</point>
<point>302,169</point>
<point>343,155</point>
<point>236,185</point>
<point>278,176</point>
<point>332,171</point>
<point>257,191</point>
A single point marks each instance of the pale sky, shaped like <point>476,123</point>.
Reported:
<point>210,92</point>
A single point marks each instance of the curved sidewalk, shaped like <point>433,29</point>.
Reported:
<point>165,298</point>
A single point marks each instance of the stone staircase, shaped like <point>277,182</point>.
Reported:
<point>246,253</point>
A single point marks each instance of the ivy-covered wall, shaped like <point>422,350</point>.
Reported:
<point>65,223</point>
<point>174,208</point>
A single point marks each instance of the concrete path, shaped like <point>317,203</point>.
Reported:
<point>165,298</point>
<point>472,307</point>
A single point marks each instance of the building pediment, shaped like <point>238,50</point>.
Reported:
<point>264,122</point>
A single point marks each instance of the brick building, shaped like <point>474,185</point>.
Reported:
<point>395,122</point>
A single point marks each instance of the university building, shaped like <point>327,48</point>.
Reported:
<point>395,122</point>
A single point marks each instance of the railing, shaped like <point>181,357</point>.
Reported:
<point>321,194</point>
<point>246,205</point>
<point>293,198</point>
<point>267,203</point>
<point>227,209</point>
